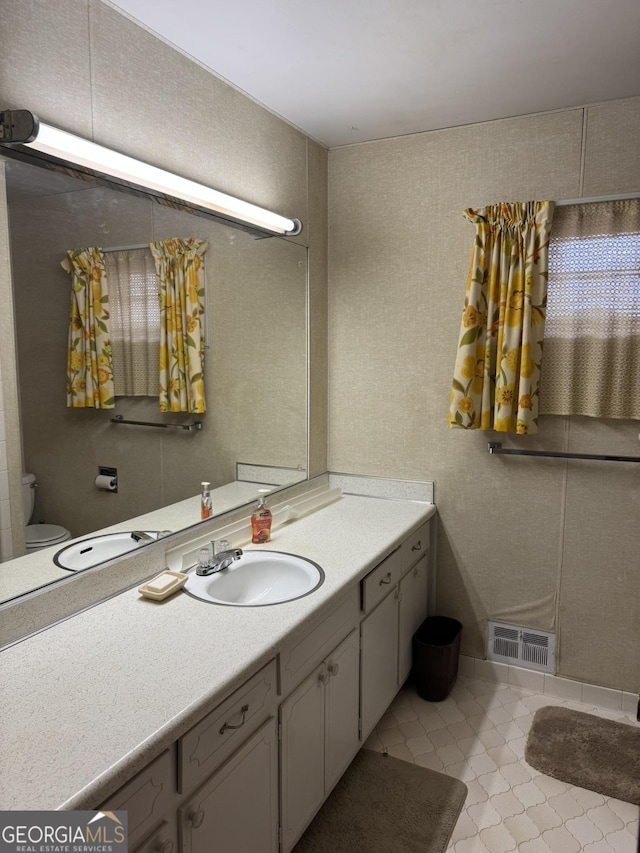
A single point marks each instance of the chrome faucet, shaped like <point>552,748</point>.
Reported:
<point>221,560</point>
<point>145,536</point>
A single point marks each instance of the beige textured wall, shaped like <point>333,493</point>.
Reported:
<point>119,85</point>
<point>543,542</point>
<point>318,307</point>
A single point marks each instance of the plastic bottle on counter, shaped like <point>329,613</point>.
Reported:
<point>261,520</point>
<point>206,507</point>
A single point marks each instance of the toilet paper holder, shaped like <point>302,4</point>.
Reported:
<point>107,479</point>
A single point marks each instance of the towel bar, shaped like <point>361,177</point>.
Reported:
<point>496,447</point>
<point>196,425</point>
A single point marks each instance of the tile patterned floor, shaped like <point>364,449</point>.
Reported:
<point>478,735</point>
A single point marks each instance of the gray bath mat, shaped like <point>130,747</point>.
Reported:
<point>587,751</point>
<point>384,805</point>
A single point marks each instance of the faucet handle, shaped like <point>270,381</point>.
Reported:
<point>220,545</point>
<point>204,556</point>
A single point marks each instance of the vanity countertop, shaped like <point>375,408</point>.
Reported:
<point>90,701</point>
<point>36,569</point>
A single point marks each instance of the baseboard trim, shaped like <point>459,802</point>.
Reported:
<point>550,685</point>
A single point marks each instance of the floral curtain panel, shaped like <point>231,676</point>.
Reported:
<point>89,367</point>
<point>180,268</point>
<point>497,371</point>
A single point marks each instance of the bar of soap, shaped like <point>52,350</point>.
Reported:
<point>163,585</point>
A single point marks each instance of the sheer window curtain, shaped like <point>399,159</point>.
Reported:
<point>135,321</point>
<point>592,338</point>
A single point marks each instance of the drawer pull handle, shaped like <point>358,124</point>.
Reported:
<point>196,818</point>
<point>226,726</point>
<point>333,668</point>
<point>417,546</point>
<point>386,579</point>
<point>165,846</point>
<point>323,678</point>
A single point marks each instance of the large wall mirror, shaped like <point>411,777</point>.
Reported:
<point>255,364</point>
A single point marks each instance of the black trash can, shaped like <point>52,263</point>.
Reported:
<point>436,648</point>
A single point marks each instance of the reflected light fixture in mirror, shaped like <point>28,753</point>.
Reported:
<point>21,127</point>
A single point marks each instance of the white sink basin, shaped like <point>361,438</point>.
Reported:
<point>96,549</point>
<point>258,578</point>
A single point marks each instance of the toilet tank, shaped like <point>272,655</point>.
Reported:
<point>28,496</point>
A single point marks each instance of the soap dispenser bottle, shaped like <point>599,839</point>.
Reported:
<point>261,520</point>
<point>206,507</point>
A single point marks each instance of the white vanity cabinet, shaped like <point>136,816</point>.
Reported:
<point>224,795</point>
<point>237,807</point>
<point>148,800</point>
<point>253,773</point>
<point>163,840</point>
<point>319,715</point>
<point>394,602</point>
<point>413,595</point>
<point>232,754</point>
<point>379,641</point>
<point>319,737</point>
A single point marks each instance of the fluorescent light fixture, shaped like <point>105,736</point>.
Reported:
<point>65,146</point>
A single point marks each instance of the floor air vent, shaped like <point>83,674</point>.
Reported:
<point>520,646</point>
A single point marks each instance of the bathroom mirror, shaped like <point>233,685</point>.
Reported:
<point>255,426</point>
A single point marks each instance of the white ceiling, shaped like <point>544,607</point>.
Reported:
<point>346,71</point>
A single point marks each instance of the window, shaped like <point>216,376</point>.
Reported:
<point>591,363</point>
<point>135,321</point>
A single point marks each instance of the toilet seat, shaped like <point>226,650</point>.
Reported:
<point>43,535</point>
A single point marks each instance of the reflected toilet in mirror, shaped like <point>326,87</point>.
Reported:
<point>38,536</point>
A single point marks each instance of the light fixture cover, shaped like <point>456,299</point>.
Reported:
<point>66,146</point>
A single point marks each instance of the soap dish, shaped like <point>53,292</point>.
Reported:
<point>163,585</point>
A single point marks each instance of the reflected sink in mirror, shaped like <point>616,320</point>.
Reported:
<point>98,549</point>
<point>258,578</point>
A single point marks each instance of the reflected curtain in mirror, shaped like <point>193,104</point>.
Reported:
<point>89,363</point>
<point>180,268</point>
<point>497,370</point>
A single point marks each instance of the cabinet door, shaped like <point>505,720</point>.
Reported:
<point>378,661</point>
<point>302,756</point>
<point>147,797</point>
<point>413,610</point>
<point>163,840</point>
<point>237,808</point>
<point>342,699</point>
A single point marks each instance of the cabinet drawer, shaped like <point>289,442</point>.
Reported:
<point>300,657</point>
<point>415,546</point>
<point>381,580</point>
<point>212,741</point>
<point>146,797</point>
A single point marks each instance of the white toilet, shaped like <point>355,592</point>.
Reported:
<point>38,536</point>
